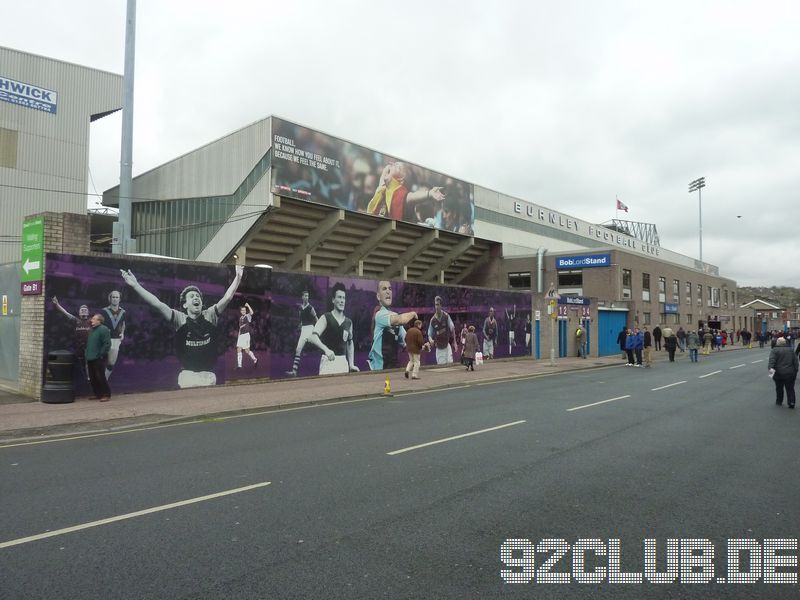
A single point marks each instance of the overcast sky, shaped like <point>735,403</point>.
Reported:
<point>565,104</point>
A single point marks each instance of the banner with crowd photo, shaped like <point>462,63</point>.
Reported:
<point>173,324</point>
<point>312,166</point>
<point>323,325</point>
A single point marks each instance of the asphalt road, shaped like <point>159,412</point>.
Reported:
<point>391,498</point>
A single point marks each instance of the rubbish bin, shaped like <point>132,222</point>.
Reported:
<point>59,387</point>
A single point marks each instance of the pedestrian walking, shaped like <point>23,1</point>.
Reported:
<point>657,337</point>
<point>693,342</point>
<point>681,335</point>
<point>783,366</point>
<point>470,348</point>
<point>415,344</point>
<point>671,344</point>
<point>708,339</point>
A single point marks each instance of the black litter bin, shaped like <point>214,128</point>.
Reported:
<point>59,387</point>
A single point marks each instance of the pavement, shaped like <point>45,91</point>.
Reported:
<point>24,418</point>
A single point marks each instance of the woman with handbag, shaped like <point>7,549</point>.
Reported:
<point>470,348</point>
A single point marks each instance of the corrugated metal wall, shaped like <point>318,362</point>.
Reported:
<point>183,227</point>
<point>52,149</point>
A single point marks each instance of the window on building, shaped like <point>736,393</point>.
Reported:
<point>714,297</point>
<point>689,320</point>
<point>646,317</point>
<point>646,287</point>
<point>519,281</point>
<point>626,283</point>
<point>699,294</point>
<point>725,298</point>
<point>662,289</point>
<point>676,290</point>
<point>8,148</point>
<point>688,293</point>
<point>570,279</point>
<point>733,299</point>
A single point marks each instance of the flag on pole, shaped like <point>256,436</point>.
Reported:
<point>621,206</point>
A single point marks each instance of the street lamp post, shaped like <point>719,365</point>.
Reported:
<point>697,185</point>
<point>552,309</point>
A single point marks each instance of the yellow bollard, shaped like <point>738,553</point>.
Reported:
<point>387,388</point>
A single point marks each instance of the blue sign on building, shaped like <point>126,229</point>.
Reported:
<point>671,309</point>
<point>29,96</point>
<point>583,262</point>
<point>574,300</point>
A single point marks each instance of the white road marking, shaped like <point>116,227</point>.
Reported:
<point>455,437</point>
<point>210,419</point>
<point>752,362</point>
<point>709,374</point>
<point>596,403</point>
<point>663,387</point>
<point>138,513</point>
<point>737,366</point>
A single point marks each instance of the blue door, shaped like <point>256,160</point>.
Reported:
<point>562,337</point>
<point>609,324</point>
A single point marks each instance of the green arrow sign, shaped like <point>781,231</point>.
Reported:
<point>32,255</point>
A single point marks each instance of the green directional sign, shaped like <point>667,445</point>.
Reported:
<point>32,255</point>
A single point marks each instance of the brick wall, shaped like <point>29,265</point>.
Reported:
<point>63,233</point>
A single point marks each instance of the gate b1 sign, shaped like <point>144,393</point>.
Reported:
<point>32,256</point>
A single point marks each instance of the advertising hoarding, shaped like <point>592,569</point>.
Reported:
<point>309,165</point>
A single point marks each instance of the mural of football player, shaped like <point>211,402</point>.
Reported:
<point>333,334</point>
<point>83,325</point>
<point>243,341</point>
<point>389,333</point>
<point>114,316</point>
<point>308,318</point>
<point>442,334</point>
<point>195,329</point>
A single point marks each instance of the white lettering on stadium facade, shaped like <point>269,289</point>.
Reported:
<point>593,231</point>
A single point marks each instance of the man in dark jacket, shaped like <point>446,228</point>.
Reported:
<point>783,365</point>
<point>671,344</point>
<point>648,348</point>
<point>98,343</point>
<point>638,345</point>
<point>657,337</point>
<point>623,335</point>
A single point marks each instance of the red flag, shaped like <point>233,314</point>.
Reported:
<point>621,206</point>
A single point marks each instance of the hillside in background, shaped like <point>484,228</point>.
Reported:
<point>784,297</point>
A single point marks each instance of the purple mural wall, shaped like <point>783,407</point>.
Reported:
<point>172,324</point>
<point>178,324</point>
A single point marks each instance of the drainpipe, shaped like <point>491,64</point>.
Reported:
<point>540,269</point>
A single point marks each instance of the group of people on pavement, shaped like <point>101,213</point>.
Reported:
<point>415,344</point>
<point>784,360</point>
<point>637,344</point>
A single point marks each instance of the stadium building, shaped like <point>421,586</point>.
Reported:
<point>321,211</point>
<point>282,194</point>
